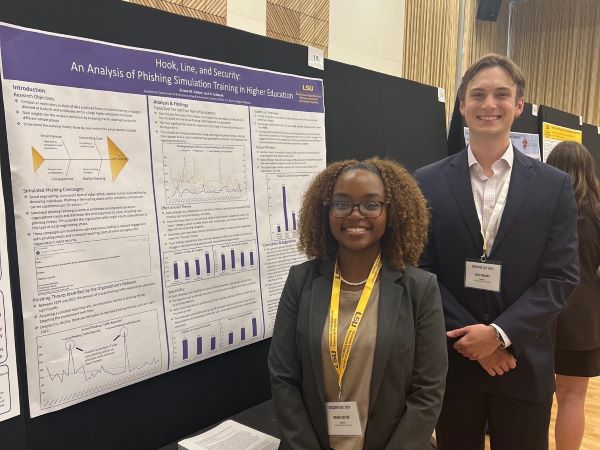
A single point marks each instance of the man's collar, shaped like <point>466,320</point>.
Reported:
<point>508,156</point>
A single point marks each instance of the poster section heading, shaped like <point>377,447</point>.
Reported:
<point>83,63</point>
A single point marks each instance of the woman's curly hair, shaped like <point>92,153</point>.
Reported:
<point>407,215</point>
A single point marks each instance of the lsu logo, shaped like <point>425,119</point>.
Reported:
<point>308,88</point>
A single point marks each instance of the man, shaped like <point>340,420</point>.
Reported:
<point>503,243</point>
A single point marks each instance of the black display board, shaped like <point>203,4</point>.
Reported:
<point>526,123</point>
<point>558,117</point>
<point>366,113</point>
<point>591,139</point>
<point>456,133</point>
<point>369,113</point>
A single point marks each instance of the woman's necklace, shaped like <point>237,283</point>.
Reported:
<point>350,283</point>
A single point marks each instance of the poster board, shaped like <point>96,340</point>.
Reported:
<point>591,139</point>
<point>557,126</point>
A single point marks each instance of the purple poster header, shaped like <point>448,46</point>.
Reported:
<point>66,61</point>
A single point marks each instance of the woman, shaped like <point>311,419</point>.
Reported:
<point>364,225</point>
<point>578,326</point>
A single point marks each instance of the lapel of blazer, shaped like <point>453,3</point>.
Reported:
<point>390,296</point>
<point>459,180</point>
<point>319,309</point>
<point>521,180</point>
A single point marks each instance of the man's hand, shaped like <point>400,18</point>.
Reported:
<point>477,341</point>
<point>498,363</point>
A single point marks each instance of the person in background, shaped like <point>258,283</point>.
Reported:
<point>358,355</point>
<point>577,353</point>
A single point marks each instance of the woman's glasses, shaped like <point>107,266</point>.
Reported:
<point>369,209</point>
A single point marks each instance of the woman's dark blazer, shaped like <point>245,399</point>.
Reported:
<point>409,366</point>
<point>578,326</point>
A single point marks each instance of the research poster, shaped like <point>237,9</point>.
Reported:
<point>553,134</point>
<point>9,384</point>
<point>156,202</point>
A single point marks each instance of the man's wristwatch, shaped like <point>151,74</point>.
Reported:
<point>500,339</point>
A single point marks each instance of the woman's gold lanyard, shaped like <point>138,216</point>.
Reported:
<point>340,362</point>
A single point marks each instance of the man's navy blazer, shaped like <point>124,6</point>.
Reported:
<point>537,246</point>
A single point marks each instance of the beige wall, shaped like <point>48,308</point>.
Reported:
<point>368,34</point>
<point>248,15</point>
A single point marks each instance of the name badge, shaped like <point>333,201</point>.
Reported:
<point>342,419</point>
<point>483,275</point>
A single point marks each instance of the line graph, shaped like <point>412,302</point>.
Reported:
<point>198,173</point>
<point>86,361</point>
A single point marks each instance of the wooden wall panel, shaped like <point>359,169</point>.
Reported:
<point>483,37</point>
<point>557,44</point>
<point>430,44</point>
<point>304,22</point>
<point>208,10</point>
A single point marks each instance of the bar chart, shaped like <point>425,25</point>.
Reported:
<point>195,343</point>
<point>188,265</point>
<point>235,258</point>
<point>241,329</point>
<point>285,195</point>
<point>205,340</point>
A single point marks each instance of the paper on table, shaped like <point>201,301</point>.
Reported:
<point>230,435</point>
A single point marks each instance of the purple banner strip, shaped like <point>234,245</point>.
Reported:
<point>37,57</point>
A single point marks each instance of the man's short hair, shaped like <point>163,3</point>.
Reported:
<point>486,62</point>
